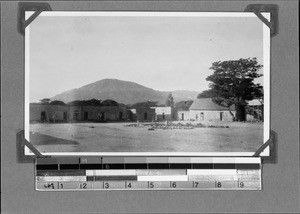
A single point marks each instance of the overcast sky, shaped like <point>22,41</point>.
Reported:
<point>163,53</point>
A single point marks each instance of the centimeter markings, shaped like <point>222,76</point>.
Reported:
<point>115,173</point>
<point>159,185</point>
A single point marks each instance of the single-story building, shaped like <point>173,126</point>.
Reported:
<point>131,114</point>
<point>183,114</point>
<point>145,114</point>
<point>104,113</point>
<point>163,113</point>
<point>48,113</point>
<point>66,113</point>
<point>204,109</point>
<point>255,111</point>
<point>182,109</point>
<point>73,113</point>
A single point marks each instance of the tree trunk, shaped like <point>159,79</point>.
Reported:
<point>233,117</point>
<point>240,113</point>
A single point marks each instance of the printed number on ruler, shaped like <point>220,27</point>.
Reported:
<point>128,185</point>
<point>151,184</point>
<point>106,185</point>
<point>173,184</point>
<point>241,184</point>
<point>83,185</point>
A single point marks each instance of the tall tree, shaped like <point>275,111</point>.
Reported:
<point>170,100</point>
<point>232,82</point>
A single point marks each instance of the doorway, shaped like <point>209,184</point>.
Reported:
<point>43,116</point>
<point>65,116</point>
<point>86,115</point>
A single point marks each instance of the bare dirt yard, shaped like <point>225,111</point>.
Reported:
<point>130,137</point>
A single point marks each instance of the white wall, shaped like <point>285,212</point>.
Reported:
<point>186,115</point>
<point>199,115</point>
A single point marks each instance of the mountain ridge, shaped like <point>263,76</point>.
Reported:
<point>125,92</point>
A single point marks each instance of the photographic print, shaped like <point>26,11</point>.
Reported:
<point>147,83</point>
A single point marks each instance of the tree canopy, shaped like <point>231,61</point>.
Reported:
<point>94,102</point>
<point>57,102</point>
<point>183,105</point>
<point>146,104</point>
<point>110,103</point>
<point>170,100</point>
<point>45,101</point>
<point>232,82</point>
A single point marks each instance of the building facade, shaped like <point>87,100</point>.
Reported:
<point>183,115</point>
<point>49,113</point>
<point>145,114</point>
<point>201,110</point>
<point>72,113</point>
<point>204,109</point>
<point>104,113</point>
<point>164,113</point>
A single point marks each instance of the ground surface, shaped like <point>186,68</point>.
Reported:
<point>115,137</point>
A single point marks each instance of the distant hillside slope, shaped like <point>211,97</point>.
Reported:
<point>121,91</point>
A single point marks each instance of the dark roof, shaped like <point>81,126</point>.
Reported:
<point>183,105</point>
<point>206,104</point>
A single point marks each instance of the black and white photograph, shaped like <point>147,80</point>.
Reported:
<point>149,106</point>
<point>167,83</point>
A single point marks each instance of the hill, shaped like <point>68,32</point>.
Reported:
<point>123,92</point>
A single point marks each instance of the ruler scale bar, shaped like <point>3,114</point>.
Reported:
<point>136,166</point>
<point>91,166</point>
<point>163,178</point>
<point>169,172</point>
<point>60,172</point>
<point>115,178</point>
<point>147,173</point>
<point>149,166</point>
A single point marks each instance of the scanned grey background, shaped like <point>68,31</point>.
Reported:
<point>280,181</point>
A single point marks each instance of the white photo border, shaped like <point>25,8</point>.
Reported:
<point>266,63</point>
